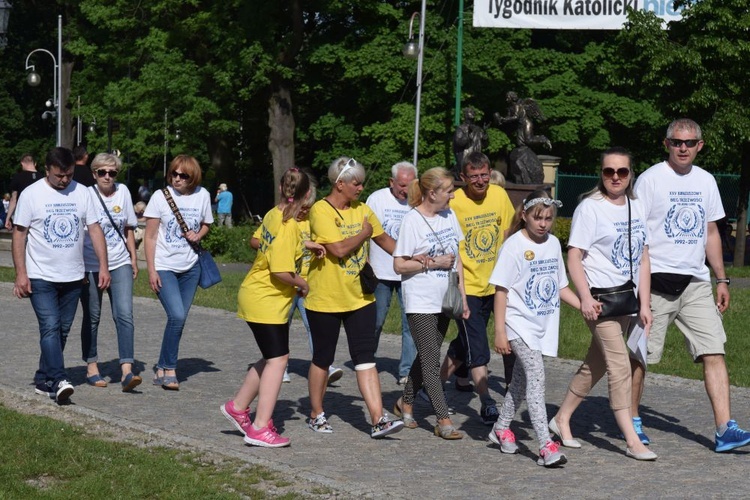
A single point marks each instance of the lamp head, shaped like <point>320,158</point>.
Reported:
<point>33,79</point>
<point>411,49</point>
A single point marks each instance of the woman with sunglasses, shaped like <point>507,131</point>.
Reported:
<point>607,245</point>
<point>173,268</point>
<point>344,226</point>
<point>117,219</point>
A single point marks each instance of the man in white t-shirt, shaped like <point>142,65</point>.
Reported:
<point>682,204</point>
<point>390,205</point>
<point>48,238</point>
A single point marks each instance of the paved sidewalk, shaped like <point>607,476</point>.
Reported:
<point>215,352</point>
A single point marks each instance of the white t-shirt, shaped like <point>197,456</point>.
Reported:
<point>120,206</point>
<point>423,292</point>
<point>678,209</point>
<point>55,220</point>
<point>390,212</point>
<point>600,229</point>
<point>173,253</point>
<point>533,274</point>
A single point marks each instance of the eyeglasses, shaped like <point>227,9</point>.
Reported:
<point>476,177</point>
<point>181,175</point>
<point>350,164</point>
<point>676,143</point>
<point>104,172</point>
<point>609,172</point>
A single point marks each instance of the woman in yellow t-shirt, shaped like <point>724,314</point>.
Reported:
<point>344,227</point>
<point>264,300</point>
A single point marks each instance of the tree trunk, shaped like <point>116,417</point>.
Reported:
<point>739,245</point>
<point>281,137</point>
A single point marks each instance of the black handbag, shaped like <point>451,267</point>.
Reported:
<point>367,278</point>
<point>619,300</point>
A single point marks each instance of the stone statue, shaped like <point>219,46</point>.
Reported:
<point>525,166</point>
<point>468,138</point>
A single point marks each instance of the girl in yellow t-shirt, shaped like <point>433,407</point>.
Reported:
<point>344,227</point>
<point>264,300</point>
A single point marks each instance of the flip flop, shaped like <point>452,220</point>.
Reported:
<point>96,380</point>
<point>130,382</point>
<point>169,382</point>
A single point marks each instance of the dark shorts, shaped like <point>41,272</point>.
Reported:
<point>359,326</point>
<point>273,340</point>
<point>471,345</point>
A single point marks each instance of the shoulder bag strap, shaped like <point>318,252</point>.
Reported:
<point>630,247</point>
<point>106,210</point>
<point>180,220</point>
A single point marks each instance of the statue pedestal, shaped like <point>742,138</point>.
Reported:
<point>518,192</point>
<point>550,165</point>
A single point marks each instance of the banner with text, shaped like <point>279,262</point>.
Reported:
<point>566,14</point>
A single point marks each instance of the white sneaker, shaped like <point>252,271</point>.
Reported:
<point>403,380</point>
<point>64,391</point>
<point>286,378</point>
<point>334,374</point>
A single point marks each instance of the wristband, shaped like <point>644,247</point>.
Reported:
<point>723,280</point>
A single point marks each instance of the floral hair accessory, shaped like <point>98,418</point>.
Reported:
<point>548,202</point>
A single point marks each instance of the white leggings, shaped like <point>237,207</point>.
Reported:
<point>528,382</point>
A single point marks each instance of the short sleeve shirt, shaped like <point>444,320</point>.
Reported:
<point>390,211</point>
<point>120,207</point>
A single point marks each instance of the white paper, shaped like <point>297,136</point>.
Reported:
<point>638,343</point>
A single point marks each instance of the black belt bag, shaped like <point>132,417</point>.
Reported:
<point>670,283</point>
<point>617,300</point>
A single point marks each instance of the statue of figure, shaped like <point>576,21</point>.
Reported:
<point>468,138</point>
<point>524,164</point>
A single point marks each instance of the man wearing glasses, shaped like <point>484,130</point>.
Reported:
<point>682,204</point>
<point>484,212</point>
<point>48,257</point>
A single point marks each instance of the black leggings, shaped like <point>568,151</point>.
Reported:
<point>359,326</point>
<point>273,340</point>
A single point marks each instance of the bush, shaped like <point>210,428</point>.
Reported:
<point>561,229</point>
<point>231,245</point>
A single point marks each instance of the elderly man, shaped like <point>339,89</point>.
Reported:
<point>682,204</point>
<point>224,201</point>
<point>389,204</point>
<point>484,212</point>
<point>48,240</point>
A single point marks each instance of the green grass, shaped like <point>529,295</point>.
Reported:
<point>45,458</point>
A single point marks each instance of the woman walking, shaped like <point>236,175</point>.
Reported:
<point>608,248</point>
<point>117,219</point>
<point>426,250</point>
<point>173,268</point>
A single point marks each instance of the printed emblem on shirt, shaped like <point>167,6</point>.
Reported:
<point>174,236</point>
<point>62,229</point>
<point>391,221</point>
<point>482,233</point>
<point>621,250</point>
<point>541,291</point>
<point>686,218</point>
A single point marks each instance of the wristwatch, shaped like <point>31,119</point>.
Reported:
<point>723,280</point>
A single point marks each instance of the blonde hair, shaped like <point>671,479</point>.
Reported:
<point>432,180</point>
<point>518,223</point>
<point>294,187</point>
<point>497,178</point>
<point>106,160</point>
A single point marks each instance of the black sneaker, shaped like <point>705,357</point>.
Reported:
<point>44,389</point>
<point>489,414</point>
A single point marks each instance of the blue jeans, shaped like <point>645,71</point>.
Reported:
<point>383,294</point>
<point>299,304</point>
<point>120,293</point>
<point>55,307</point>
<point>176,296</point>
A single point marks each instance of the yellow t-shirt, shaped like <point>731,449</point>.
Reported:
<point>334,283</point>
<point>484,223</point>
<point>262,297</point>
<point>303,263</point>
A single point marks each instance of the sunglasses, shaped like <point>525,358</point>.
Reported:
<point>676,143</point>
<point>349,164</point>
<point>104,172</point>
<point>622,173</point>
<point>181,175</point>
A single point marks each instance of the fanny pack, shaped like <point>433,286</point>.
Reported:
<point>670,283</point>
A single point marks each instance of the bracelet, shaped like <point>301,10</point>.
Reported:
<point>723,280</point>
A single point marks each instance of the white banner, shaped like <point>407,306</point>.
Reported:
<point>566,14</point>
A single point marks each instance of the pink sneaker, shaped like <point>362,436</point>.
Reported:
<point>266,437</point>
<point>240,419</point>
<point>550,456</point>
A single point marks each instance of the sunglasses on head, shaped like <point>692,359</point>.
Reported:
<point>349,164</point>
<point>609,172</point>
<point>181,175</point>
<point>676,143</point>
<point>102,172</point>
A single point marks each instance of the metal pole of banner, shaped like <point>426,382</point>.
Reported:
<point>459,62</point>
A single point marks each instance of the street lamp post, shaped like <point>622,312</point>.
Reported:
<point>166,140</point>
<point>412,50</point>
<point>34,79</point>
<point>4,16</point>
